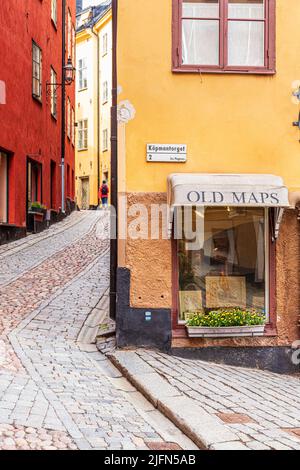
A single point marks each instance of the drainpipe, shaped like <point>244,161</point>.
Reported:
<point>114,171</point>
<point>63,107</point>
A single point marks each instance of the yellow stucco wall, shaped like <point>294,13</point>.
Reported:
<point>231,123</point>
<point>90,105</point>
<point>86,108</point>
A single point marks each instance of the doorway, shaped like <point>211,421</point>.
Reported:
<point>85,193</point>
<point>3,188</point>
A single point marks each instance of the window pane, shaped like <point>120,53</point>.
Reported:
<point>226,268</point>
<point>246,43</point>
<point>249,9</point>
<point>200,42</point>
<point>200,9</point>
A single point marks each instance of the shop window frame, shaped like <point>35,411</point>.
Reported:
<point>269,67</point>
<point>178,327</point>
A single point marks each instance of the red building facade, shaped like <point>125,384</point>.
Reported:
<point>31,36</point>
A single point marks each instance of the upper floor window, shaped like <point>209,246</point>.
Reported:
<point>105,140</point>
<point>83,134</point>
<point>73,45</point>
<point>54,11</point>
<point>104,44</point>
<point>82,73</point>
<point>69,33</point>
<point>73,126</point>
<point>69,118</point>
<point>36,71</point>
<point>105,92</point>
<point>53,81</point>
<point>224,36</point>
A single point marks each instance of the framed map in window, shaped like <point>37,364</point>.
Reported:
<point>190,301</point>
<point>225,291</point>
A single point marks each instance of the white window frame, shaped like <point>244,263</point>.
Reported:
<point>73,126</point>
<point>267,271</point>
<point>105,92</point>
<point>105,140</point>
<point>82,74</point>
<point>37,59</point>
<point>54,11</point>
<point>53,82</point>
<point>69,118</point>
<point>105,44</point>
<point>83,134</point>
<point>69,32</point>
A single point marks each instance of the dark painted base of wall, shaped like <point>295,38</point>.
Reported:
<point>275,359</point>
<point>135,327</point>
<point>134,330</point>
<point>10,233</point>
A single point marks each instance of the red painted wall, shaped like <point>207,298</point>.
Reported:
<point>27,128</point>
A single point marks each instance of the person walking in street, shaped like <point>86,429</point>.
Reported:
<point>103,194</point>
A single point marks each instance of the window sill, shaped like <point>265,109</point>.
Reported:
<point>199,70</point>
<point>54,24</point>
<point>82,150</point>
<point>83,89</point>
<point>37,99</point>
<point>179,331</point>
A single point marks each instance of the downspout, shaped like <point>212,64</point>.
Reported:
<point>114,171</point>
<point>63,107</point>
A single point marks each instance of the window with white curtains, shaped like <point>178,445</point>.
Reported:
<point>225,34</point>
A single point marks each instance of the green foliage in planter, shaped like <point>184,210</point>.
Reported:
<point>37,205</point>
<point>227,317</point>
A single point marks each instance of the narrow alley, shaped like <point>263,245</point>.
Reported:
<point>56,391</point>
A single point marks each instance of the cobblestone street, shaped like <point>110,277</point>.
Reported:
<point>56,392</point>
<point>259,409</point>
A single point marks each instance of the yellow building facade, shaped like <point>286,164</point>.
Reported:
<point>93,102</point>
<point>205,119</point>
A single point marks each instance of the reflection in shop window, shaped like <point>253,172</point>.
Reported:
<point>228,266</point>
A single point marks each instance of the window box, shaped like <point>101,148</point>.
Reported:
<point>225,331</point>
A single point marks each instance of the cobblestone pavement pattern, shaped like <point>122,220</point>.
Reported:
<point>262,408</point>
<point>56,393</point>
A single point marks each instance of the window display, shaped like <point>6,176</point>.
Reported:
<point>225,266</point>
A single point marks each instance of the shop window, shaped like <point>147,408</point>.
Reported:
<point>222,262</point>
<point>34,182</point>
<point>3,188</point>
<point>68,181</point>
<point>224,35</point>
<point>53,184</point>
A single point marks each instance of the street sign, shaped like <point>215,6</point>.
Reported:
<point>167,153</point>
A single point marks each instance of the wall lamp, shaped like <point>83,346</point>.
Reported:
<point>69,74</point>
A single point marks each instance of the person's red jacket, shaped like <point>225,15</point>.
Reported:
<point>101,195</point>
